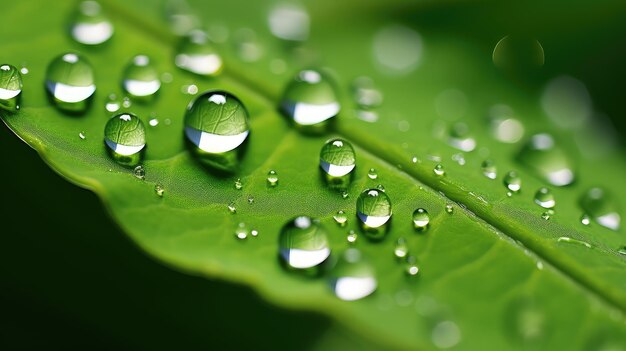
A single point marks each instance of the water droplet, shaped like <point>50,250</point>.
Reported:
<point>303,243</point>
<point>112,104</point>
<point>401,249</point>
<point>367,116</point>
<point>189,89</point>
<point>566,239</point>
<point>70,82</point>
<point>446,334</point>
<point>517,53</point>
<point>601,207</point>
<point>153,122</point>
<point>585,219</point>
<point>216,124</point>
<point>289,21</point>
<point>421,219</point>
<point>272,178</point>
<point>125,136</point>
<point>250,199</point>
<point>126,103</point>
<point>238,184</point>
<point>449,208</point>
<point>310,101</point>
<point>345,194</point>
<point>374,211</point>
<point>353,277</point>
<point>622,250</point>
<point>504,127</point>
<point>460,138</point>
<point>411,268</point>
<point>139,172</point>
<point>196,55</point>
<point>351,237</point>
<point>24,70</point>
<point>459,158</point>
<point>415,159</point>
<point>247,46</point>
<point>340,218</point>
<point>10,87</point>
<point>141,78</point>
<point>439,170</point>
<point>337,160</point>
<point>232,208</point>
<point>241,232</point>
<point>545,198</point>
<point>159,189</point>
<point>180,17</point>
<point>397,49</point>
<point>372,174</point>
<point>380,187</point>
<point>567,102</point>
<point>512,181</point>
<point>254,233</point>
<point>489,169</point>
<point>82,136</point>
<point>546,215</point>
<point>365,93</point>
<point>90,25</point>
<point>547,160</point>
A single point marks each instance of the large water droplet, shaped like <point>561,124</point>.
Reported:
<point>125,138</point>
<point>216,124</point>
<point>10,87</point>
<point>70,82</point>
<point>374,211</point>
<point>310,101</point>
<point>353,277</point>
<point>545,198</point>
<point>547,160</point>
<point>460,138</point>
<point>303,243</point>
<point>489,169</point>
<point>90,25</point>
<point>518,53</point>
<point>196,55</point>
<point>512,181</point>
<point>141,79</point>
<point>421,219</point>
<point>337,160</point>
<point>601,207</point>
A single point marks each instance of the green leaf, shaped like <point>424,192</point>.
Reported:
<point>493,274</point>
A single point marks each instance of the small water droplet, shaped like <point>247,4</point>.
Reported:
<point>340,218</point>
<point>196,55</point>
<point>140,78</point>
<point>90,24</point>
<point>82,136</point>
<point>126,103</point>
<point>254,233</point>
<point>415,159</point>
<point>459,138</point>
<point>345,194</point>
<point>232,208</point>
<point>446,334</point>
<point>272,178</point>
<point>215,140</point>
<point>125,137</point>
<point>374,211</point>
<point>512,181</point>
<point>365,93</point>
<point>353,276</point>
<point>241,232</point>
<point>401,249</point>
<point>10,87</point>
<point>250,199</point>
<point>153,122</point>
<point>622,250</point>
<point>380,187</point>
<point>24,70</point>
<point>238,184</point>
<point>449,208</point>
<point>546,215</point>
<point>337,160</point>
<point>566,239</point>
<point>547,160</point>
<point>351,237</point>
<point>112,104</point>
<point>411,268</point>
<point>310,101</point>
<point>489,169</point>
<point>601,207</point>
<point>189,89</point>
<point>545,198</point>
<point>70,82</point>
<point>439,170</point>
<point>159,189</point>
<point>509,194</point>
<point>585,219</point>
<point>139,172</point>
<point>303,243</point>
<point>459,158</point>
<point>504,127</point>
<point>289,21</point>
<point>421,219</point>
<point>372,174</point>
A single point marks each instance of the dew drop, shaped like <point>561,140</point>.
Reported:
<point>159,189</point>
<point>353,276</point>
<point>310,101</point>
<point>421,218</point>
<point>345,194</point>
<point>112,104</point>
<point>489,169</point>
<point>153,122</point>
<point>250,199</point>
<point>126,103</point>
<point>195,54</point>
<point>504,127</point>
<point>139,172</point>
<point>140,78</point>
<point>125,137</point>
<point>411,268</point>
<point>351,237</point>
<point>189,89</point>
<point>449,208</point>
<point>439,170</point>
<point>585,219</point>
<point>272,178</point>
<point>401,249</point>
<point>337,161</point>
<point>10,87</point>
<point>254,233</point>
<point>568,240</point>
<point>374,211</point>
<point>238,184</point>
<point>303,243</point>
<point>232,208</point>
<point>24,70</point>
<point>380,187</point>
<point>460,138</point>
<point>241,232</point>
<point>214,139</point>
<point>547,160</point>
<point>90,24</point>
<point>601,207</point>
<point>546,215</point>
<point>518,53</point>
<point>365,93</point>
<point>372,174</point>
<point>512,181</point>
<point>340,218</point>
<point>70,82</point>
<point>545,198</point>
<point>82,136</point>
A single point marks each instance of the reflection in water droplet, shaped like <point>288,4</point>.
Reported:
<point>310,101</point>
<point>567,102</point>
<point>420,219</point>
<point>365,94</point>
<point>601,207</point>
<point>10,88</point>
<point>215,140</point>
<point>489,169</point>
<point>439,170</point>
<point>238,184</point>
<point>90,25</point>
<point>446,334</point>
<point>372,174</point>
<point>547,160</point>
<point>566,239</point>
<point>449,208</point>
<point>303,243</point>
<point>289,21</point>
<point>545,198</point>
<point>340,218</point>
<point>337,160</point>
<point>459,138</point>
<point>272,178</point>
<point>401,249</point>
<point>139,172</point>
<point>241,232</point>
<point>351,237</point>
<point>70,82</point>
<point>125,138</point>
<point>504,127</point>
<point>397,49</point>
<point>353,277</point>
<point>411,268</point>
<point>159,189</point>
<point>140,78</point>
<point>374,211</point>
<point>196,55</point>
<point>518,53</point>
<point>512,181</point>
